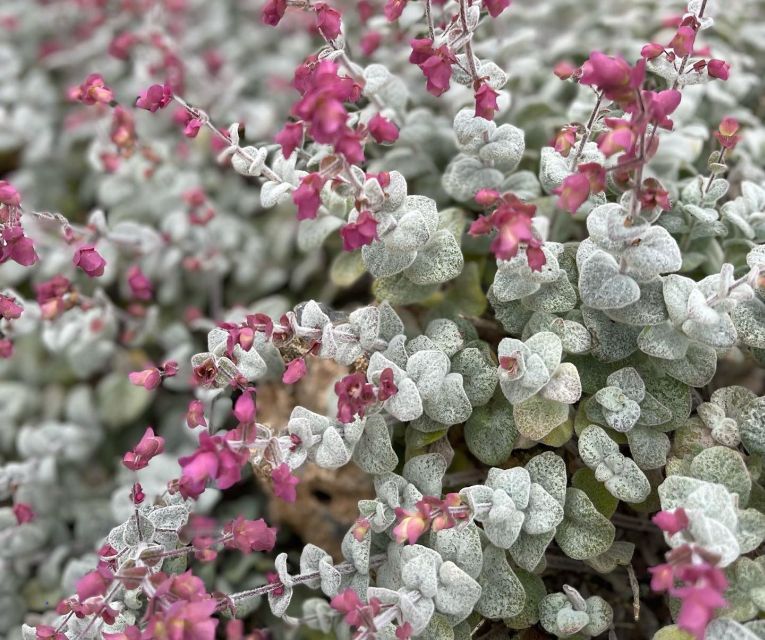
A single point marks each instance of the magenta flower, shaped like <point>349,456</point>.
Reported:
<point>360,233</point>
<point>683,41</point>
<point>95,583</point>
<point>394,8</point>
<point>422,49</point>
<point>349,145</point>
<point>250,535</point>
<point>354,395</point>
<point>128,633</point>
<point>438,70</point>
<point>295,371</point>
<point>564,140</point>
<point>214,459</point>
<point>148,447</point>
<point>9,196</point>
<point>17,247</point>
<point>192,128</point>
<point>290,138</point>
<point>92,91</point>
<point>89,260</point>
<point>718,69</point>
<point>307,196</point>
<point>382,129</point>
<point>328,20</point>
<point>613,76</point>
<point>485,101</point>
<point>45,632</point>
<point>284,483</point>
<point>121,45</point>
<point>184,621</point>
<point>651,51</point>
<point>273,12</point>
<point>195,414</point>
<point>9,309</point>
<point>671,522</point>
<point>370,42</point>
<point>387,387</point>
<point>244,407</point>
<point>140,285</point>
<point>620,137</point>
<point>576,188</point>
<point>6,348</point>
<point>726,133</point>
<point>495,7</point>
<point>157,96</point>
<point>147,378</point>
<point>404,631</point>
<point>23,513</point>
<point>412,523</point>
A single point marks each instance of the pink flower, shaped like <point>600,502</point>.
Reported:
<point>354,395</point>
<point>495,7</point>
<point>9,309</point>
<point>726,133</point>
<point>682,42</point>
<point>195,414</point>
<point>404,631</point>
<point>613,76</point>
<point>128,633</point>
<point>718,69</point>
<point>485,101</point>
<point>387,387</point>
<point>486,197</point>
<point>662,577</point>
<point>394,8</point>
<point>140,285</point>
<point>576,188</point>
<point>157,96</point>
<point>148,378</point>
<point>360,529</point>
<point>9,196</point>
<point>250,535</point>
<point>354,611</point>
<point>121,45</point>
<point>214,459</point>
<point>651,51</point>
<point>327,20</point>
<point>307,196</point>
<point>23,513</point>
<point>290,137</point>
<point>370,42</point>
<point>273,12</point>
<point>412,523</point>
<point>422,49</point>
<point>148,447</point>
<point>137,496</point>
<point>295,371</point>
<point>438,70</point>
<point>89,260</point>
<point>620,137</point>
<point>349,145</point>
<point>95,583</point>
<point>652,195</point>
<point>565,69</point>
<point>45,632</point>
<point>192,128</point>
<point>382,129</point>
<point>244,407</point>
<point>360,233</point>
<point>671,522</point>
<point>564,140</point>
<point>17,247</point>
<point>284,483</point>
<point>6,348</point>
<point>93,91</point>
<point>184,621</point>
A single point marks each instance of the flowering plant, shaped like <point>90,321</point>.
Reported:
<point>447,318</point>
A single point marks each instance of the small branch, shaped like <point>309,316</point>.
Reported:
<point>429,19</point>
<point>635,592</point>
<point>468,45</point>
<point>587,131</point>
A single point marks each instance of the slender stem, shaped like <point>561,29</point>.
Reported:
<point>429,19</point>
<point>684,61</point>
<point>587,131</point>
<point>468,45</point>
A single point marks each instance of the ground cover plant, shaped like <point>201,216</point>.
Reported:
<point>391,319</point>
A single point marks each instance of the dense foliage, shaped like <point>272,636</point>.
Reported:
<point>458,331</point>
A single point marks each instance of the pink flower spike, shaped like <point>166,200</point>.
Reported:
<point>148,447</point>
<point>157,96</point>
<point>195,414</point>
<point>382,129</point>
<point>485,101</point>
<point>307,196</point>
<point>718,69</point>
<point>89,260</point>
<point>148,378</point>
<point>9,309</point>
<point>295,370</point>
<point>360,233</point>
<point>495,7</point>
<point>284,483</point>
<point>290,138</point>
<point>328,20</point>
<point>244,407</point>
<point>671,522</point>
<point>23,513</point>
<point>250,535</point>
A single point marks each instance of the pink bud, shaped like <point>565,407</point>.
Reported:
<point>295,370</point>
<point>244,407</point>
<point>327,20</point>
<point>290,137</point>
<point>9,309</point>
<point>148,447</point>
<point>9,196</point>
<point>495,7</point>
<point>485,101</point>
<point>273,12</point>
<point>682,42</point>
<point>192,128</point>
<point>718,69</point>
<point>23,513</point>
<point>195,414</point>
<point>306,196</point>
<point>382,129</point>
<point>157,96</point>
<point>671,522</point>
<point>148,378</point>
<point>140,285</point>
<point>651,51</point>
<point>284,483</point>
<point>89,260</point>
